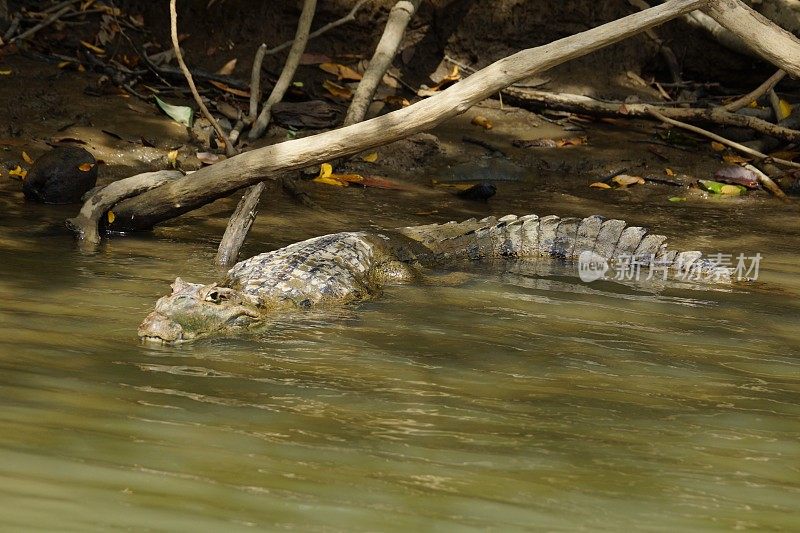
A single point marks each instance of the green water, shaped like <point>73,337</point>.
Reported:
<point>507,403</point>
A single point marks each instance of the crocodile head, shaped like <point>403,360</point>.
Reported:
<point>194,310</point>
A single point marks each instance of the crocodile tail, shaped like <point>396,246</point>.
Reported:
<point>590,238</point>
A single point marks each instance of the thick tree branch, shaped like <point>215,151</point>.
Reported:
<point>249,168</point>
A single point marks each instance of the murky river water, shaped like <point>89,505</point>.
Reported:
<point>507,403</point>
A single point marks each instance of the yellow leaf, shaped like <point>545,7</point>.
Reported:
<point>717,147</point>
<point>483,122</point>
<point>341,72</point>
<point>600,185</point>
<point>669,172</point>
<point>330,181</point>
<point>93,48</point>
<point>5,72</point>
<point>27,158</point>
<point>784,109</point>
<point>397,101</point>
<point>111,217</point>
<point>732,190</point>
<point>64,64</point>
<point>227,68</point>
<point>19,171</point>
<point>85,167</point>
<point>325,170</point>
<point>370,158</point>
<point>172,158</point>
<point>337,91</point>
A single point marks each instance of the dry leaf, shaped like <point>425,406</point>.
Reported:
<point>208,158</point>
<point>717,146</point>
<point>26,157</point>
<point>342,72</point>
<point>65,64</point>
<point>111,217</point>
<point>669,172</point>
<point>329,181</point>
<point>451,78</point>
<point>5,72</point>
<point>325,170</point>
<point>96,49</point>
<point>789,155</point>
<point>137,20</point>
<point>85,167</point>
<point>337,91</point>
<point>227,68</point>
<point>600,185</point>
<point>483,122</point>
<point>623,180</point>
<point>228,89</point>
<point>371,157</point>
<point>172,157</point>
<point>19,172</point>
<point>735,159</point>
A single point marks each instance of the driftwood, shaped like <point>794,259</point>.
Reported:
<point>576,103</point>
<point>85,224</point>
<point>216,181</point>
<point>239,225</point>
<point>387,47</point>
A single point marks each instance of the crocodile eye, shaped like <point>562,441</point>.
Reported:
<point>215,296</point>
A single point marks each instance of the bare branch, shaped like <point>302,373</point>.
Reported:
<point>173,17</point>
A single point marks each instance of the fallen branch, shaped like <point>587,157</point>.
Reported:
<point>713,136</point>
<point>387,47</point>
<point>242,218</point>
<point>216,181</point>
<point>249,168</point>
<point>285,79</point>
<point>756,93</point>
<point>43,24</point>
<point>239,225</point>
<point>85,224</point>
<point>173,18</point>
<point>767,182</point>
<point>763,37</point>
<point>575,103</point>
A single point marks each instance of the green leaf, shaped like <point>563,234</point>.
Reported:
<point>722,188</point>
<point>179,113</point>
<point>677,199</point>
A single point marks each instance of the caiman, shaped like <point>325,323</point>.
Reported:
<point>353,266</point>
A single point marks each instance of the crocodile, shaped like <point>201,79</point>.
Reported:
<point>348,267</point>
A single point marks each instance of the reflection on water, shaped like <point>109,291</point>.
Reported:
<point>510,402</point>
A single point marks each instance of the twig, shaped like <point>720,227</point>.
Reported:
<point>316,33</point>
<point>756,93</point>
<point>58,6</point>
<point>12,28</point>
<point>236,232</point>
<point>43,24</point>
<point>289,69</point>
<point>387,47</point>
<point>723,140</point>
<point>255,77</point>
<point>775,104</point>
<point>767,182</point>
<point>173,17</point>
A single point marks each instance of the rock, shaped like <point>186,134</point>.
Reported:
<point>61,176</point>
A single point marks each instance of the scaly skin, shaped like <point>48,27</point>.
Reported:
<point>349,267</point>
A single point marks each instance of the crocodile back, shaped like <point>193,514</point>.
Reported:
<point>332,267</point>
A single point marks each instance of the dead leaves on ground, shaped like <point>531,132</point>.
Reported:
<point>337,91</point>
<point>327,177</point>
<point>342,72</point>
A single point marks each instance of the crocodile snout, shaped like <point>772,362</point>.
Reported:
<point>157,327</point>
